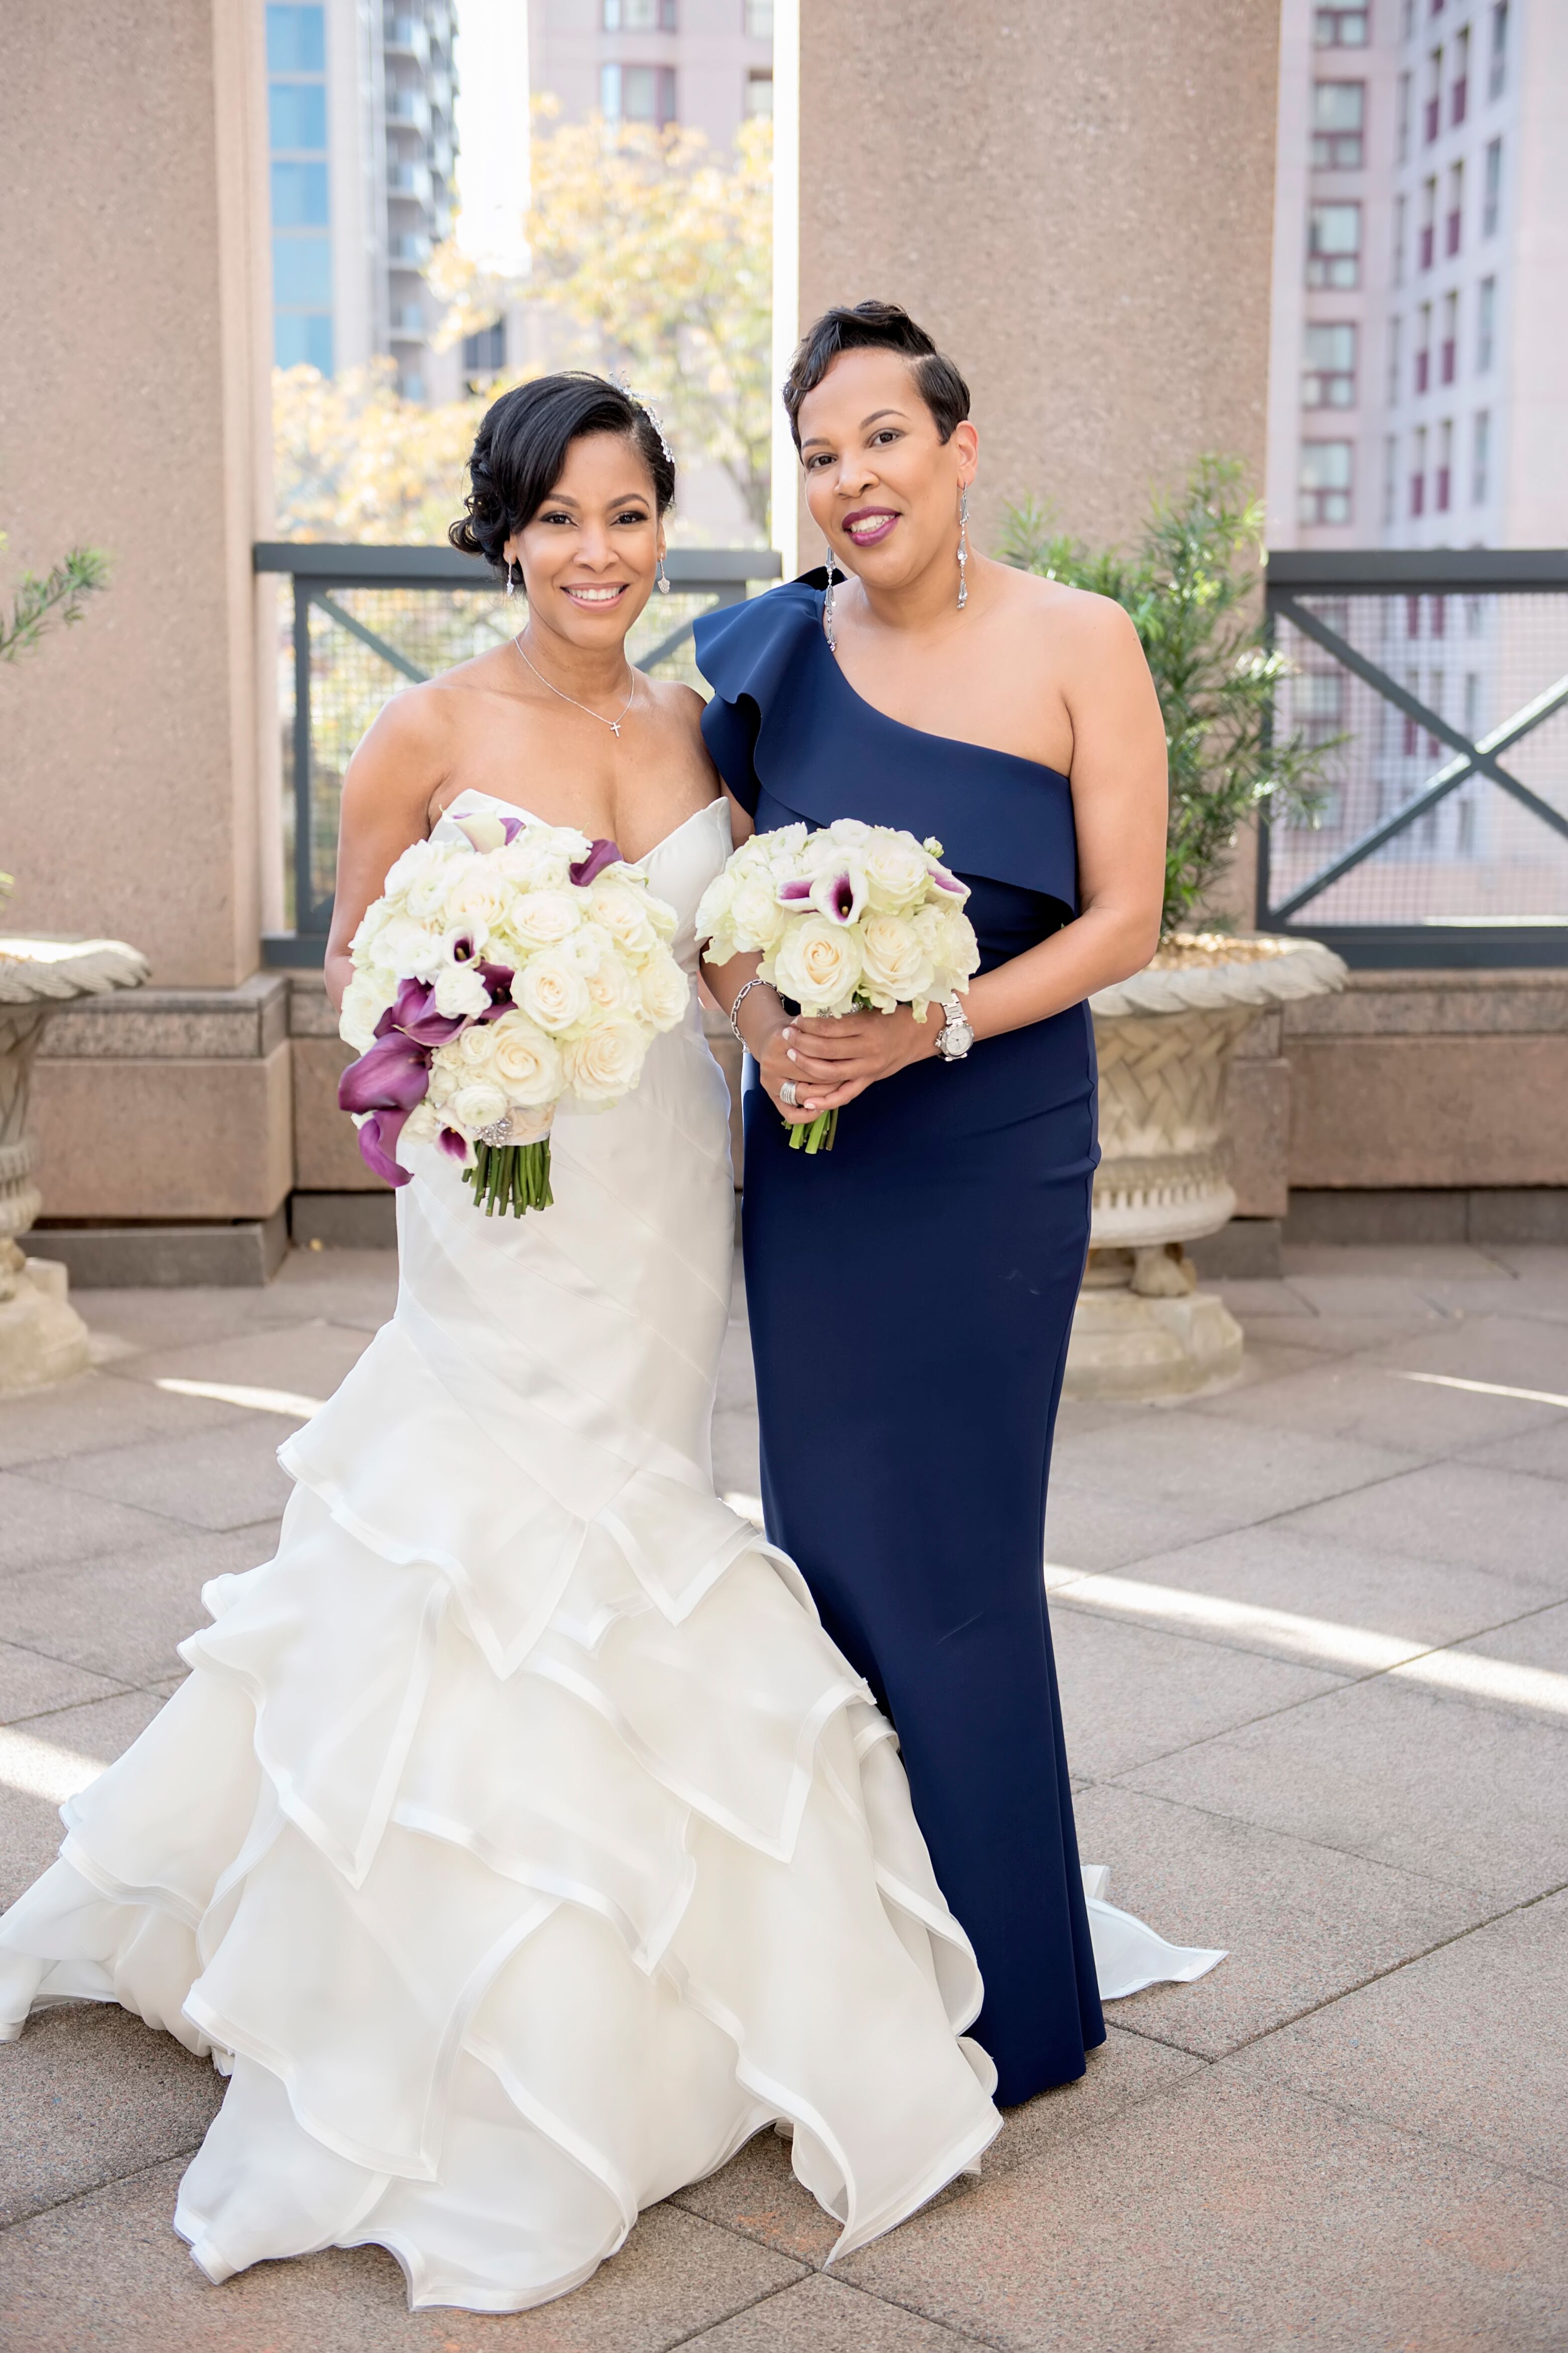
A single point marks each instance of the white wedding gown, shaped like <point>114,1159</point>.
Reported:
<point>519,1844</point>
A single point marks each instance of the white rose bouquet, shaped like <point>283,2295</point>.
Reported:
<point>493,979</point>
<point>848,919</point>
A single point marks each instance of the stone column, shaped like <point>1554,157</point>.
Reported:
<point>134,394</point>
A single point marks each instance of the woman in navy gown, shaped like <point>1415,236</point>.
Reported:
<point>912,1294</point>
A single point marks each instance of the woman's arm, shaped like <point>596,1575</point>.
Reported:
<point>1119,798</point>
<point>388,787</point>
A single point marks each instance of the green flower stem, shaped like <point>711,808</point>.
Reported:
<point>511,1177</point>
<point>817,1135</point>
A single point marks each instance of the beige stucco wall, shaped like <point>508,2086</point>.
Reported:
<point>1078,201</point>
<point>133,390</point>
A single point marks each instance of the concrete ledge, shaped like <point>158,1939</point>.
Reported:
<point>166,1257</point>
<point>174,1024</point>
<point>1247,1250</point>
<point>1504,1214</point>
<point>124,1141</point>
<point>344,1220</point>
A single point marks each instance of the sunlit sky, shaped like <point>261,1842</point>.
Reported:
<point>492,128</point>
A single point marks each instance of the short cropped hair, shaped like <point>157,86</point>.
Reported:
<point>876,326</point>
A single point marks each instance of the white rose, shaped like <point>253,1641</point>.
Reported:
<point>423,1124</point>
<point>604,1064</point>
<point>477,898</point>
<point>586,948</point>
<point>660,914</point>
<point>957,951</point>
<point>543,918</point>
<point>783,847</point>
<point>552,991</point>
<point>420,858</point>
<point>610,985</point>
<point>896,962</point>
<point>756,919</point>
<point>665,992</point>
<point>818,964</point>
<point>477,1106</point>
<point>533,864</point>
<point>410,951</point>
<point>714,907</point>
<point>524,1061</point>
<point>849,832</point>
<point>365,999</point>
<point>623,916</point>
<point>461,990</point>
<point>897,872</point>
<point>471,1050</point>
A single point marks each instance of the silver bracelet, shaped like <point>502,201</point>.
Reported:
<point>755,982</point>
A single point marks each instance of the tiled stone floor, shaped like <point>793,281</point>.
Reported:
<point>1313,1640</point>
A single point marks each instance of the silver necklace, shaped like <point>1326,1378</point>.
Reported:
<point>613,724</point>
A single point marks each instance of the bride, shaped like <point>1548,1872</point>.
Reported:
<point>520,1845</point>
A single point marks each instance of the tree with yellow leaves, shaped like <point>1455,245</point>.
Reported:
<point>354,460</point>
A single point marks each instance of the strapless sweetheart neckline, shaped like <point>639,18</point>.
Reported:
<point>497,800</point>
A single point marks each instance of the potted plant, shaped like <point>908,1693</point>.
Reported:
<point>42,1338</point>
<point>1166,1038</point>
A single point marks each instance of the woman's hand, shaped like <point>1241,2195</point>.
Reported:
<point>832,1060</point>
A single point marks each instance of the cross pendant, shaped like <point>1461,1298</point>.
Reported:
<point>615,726</point>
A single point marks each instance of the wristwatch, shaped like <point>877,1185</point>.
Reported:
<point>957,1035</point>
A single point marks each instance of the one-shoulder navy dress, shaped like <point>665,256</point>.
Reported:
<point>911,1297</point>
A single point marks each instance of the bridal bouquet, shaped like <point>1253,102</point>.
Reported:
<point>494,980</point>
<point>851,918</point>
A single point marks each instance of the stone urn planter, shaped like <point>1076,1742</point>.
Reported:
<point>1165,1040</point>
<point>42,1338</point>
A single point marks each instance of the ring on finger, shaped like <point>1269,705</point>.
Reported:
<point>789,1096</point>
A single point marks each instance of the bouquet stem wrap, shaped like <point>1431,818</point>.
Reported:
<point>513,1175</point>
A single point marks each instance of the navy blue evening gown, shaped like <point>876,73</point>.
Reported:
<point>911,1297</point>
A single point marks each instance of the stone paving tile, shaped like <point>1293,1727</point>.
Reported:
<point>123,1613</point>
<point>1419,1263</point>
<point>824,2315</point>
<point>1516,1350</point>
<point>308,1359</point>
<point>1238,2216</point>
<point>89,2095</point>
<point>1095,1529</point>
<point>1470,1796</point>
<point>1355,1397</point>
<point>1283,1567</point>
<point>1300,1922</point>
<point>1336,1334</point>
<point>220,1479</point>
<point>1502,1521</point>
<point>1465,2045</point>
<point>1543,1452</point>
<point>46,1525</point>
<point>1360,1293</point>
<point>97,1412</point>
<point>757,2193</point>
<point>1224,1473</point>
<point>1130,1693</point>
<point>30,1829</point>
<point>106,2270</point>
<point>31,1684</point>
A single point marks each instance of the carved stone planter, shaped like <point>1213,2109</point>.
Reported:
<point>42,1338</point>
<point>1165,1040</point>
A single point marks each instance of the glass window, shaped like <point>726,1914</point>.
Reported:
<point>759,92</point>
<point>1401,120</point>
<point>638,94</point>
<point>1460,94</point>
<point>1432,113</point>
<point>759,19</point>
<point>300,195</point>
<point>1334,245</point>
<point>1485,324</point>
<point>1492,203</point>
<point>1395,339</point>
<point>1339,123</point>
<point>1400,209</point>
<point>1444,485</point>
<point>1498,71</point>
<point>302,338</point>
<point>302,272</point>
<point>296,115</point>
<point>639,16</point>
<point>297,40</point>
<point>1418,489</point>
<point>485,352</point>
<point>1327,367</point>
<point>1390,477</point>
<point>1480,458</point>
<point>1325,481</point>
<point>1428,222</point>
<point>1339,28</point>
<point>1455,223</point>
<point>1423,372</point>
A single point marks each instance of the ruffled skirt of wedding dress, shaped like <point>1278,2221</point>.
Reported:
<point>519,1843</point>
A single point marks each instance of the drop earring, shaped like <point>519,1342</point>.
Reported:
<point>663,575</point>
<point>963,546</point>
<point>511,582</point>
<point>827,608</point>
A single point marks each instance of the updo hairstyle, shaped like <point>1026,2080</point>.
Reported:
<point>521,448</point>
<point>877,326</point>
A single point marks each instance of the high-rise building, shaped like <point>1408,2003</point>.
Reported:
<point>360,111</point>
<point>706,64</point>
<point>1420,337</point>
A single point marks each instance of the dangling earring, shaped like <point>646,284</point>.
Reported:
<point>964,547</point>
<point>827,609</point>
<point>663,575</point>
<point>511,582</point>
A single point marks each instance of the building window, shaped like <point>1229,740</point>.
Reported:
<point>299,187</point>
<point>1338,125</point>
<point>759,92</point>
<point>485,353</point>
<point>1399,213</point>
<point>1448,352</point>
<point>1333,245</point>
<point>638,94</point>
<point>1395,337</point>
<point>1480,458</point>
<point>297,116</point>
<point>1325,481</point>
<point>1432,112</point>
<point>1428,222</point>
<point>1318,703</point>
<point>1454,223</point>
<point>1329,367</point>
<point>1497,74</point>
<point>1418,481</point>
<point>759,20</point>
<point>1444,486</point>
<point>1485,324</point>
<point>1390,477</point>
<point>297,40</point>
<point>1423,373</point>
<point>1459,91</point>
<point>1491,206</point>
<point>1401,120</point>
<point>639,16</point>
<point>1339,28</point>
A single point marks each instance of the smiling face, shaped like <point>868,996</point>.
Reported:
<point>590,555</point>
<point>881,484</point>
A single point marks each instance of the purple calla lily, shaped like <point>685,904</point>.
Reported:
<point>412,1014</point>
<point>386,1081</point>
<point>839,894</point>
<point>602,853</point>
<point>796,892</point>
<point>946,881</point>
<point>498,978</point>
<point>378,1137</point>
<point>454,1144</point>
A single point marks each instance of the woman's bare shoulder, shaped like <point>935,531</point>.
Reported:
<point>1081,614</point>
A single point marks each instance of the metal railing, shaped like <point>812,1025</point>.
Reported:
<point>364,621</point>
<point>1439,678</point>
